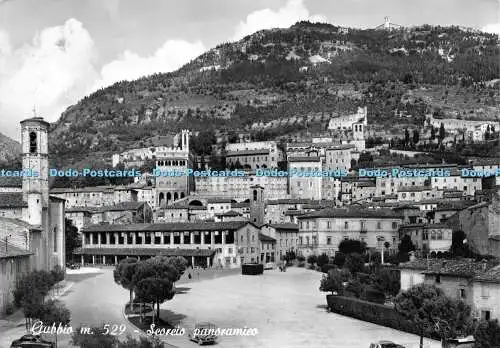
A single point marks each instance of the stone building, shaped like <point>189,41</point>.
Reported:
<point>322,231</point>
<point>36,227</point>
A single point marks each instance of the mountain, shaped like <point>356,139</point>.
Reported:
<point>9,149</point>
<point>281,81</point>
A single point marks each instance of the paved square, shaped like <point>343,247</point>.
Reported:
<point>287,308</point>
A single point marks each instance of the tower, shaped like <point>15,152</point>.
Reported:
<point>35,158</point>
<point>257,205</point>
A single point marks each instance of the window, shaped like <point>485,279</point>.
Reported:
<point>33,142</point>
<point>394,225</point>
<point>252,250</point>
<point>329,224</point>
<point>462,293</point>
<point>346,224</point>
<point>379,225</point>
<point>438,278</point>
<point>485,315</point>
<point>329,240</point>
<point>484,290</point>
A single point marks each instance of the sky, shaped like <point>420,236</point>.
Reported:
<point>54,52</point>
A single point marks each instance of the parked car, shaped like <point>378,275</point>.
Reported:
<point>32,341</point>
<point>386,344</point>
<point>269,265</point>
<point>203,333</point>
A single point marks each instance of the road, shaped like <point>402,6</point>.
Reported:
<point>287,309</point>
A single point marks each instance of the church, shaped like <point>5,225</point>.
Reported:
<point>32,228</point>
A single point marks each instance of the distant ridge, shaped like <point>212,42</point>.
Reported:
<point>9,148</point>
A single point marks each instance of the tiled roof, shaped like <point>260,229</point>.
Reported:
<point>89,210</point>
<point>352,213</point>
<point>137,251</point>
<point>58,190</point>
<point>437,226</point>
<point>170,227</point>
<point>21,223</point>
<point>264,238</point>
<point>248,152</point>
<point>454,205</point>
<point>11,181</point>
<point>12,200</point>
<point>7,250</point>
<point>229,213</point>
<point>304,159</point>
<point>492,275</point>
<point>240,205</point>
<point>286,227</point>
<point>414,188</point>
<point>289,201</point>
<point>219,200</point>
<point>463,268</point>
<point>123,206</point>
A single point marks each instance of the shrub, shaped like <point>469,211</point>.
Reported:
<point>58,274</point>
<point>252,269</point>
<point>301,264</point>
<point>301,258</point>
<point>327,267</point>
<point>339,259</point>
<point>355,263</point>
<point>312,259</point>
<point>332,282</point>
<point>372,294</point>
<point>371,312</point>
<point>323,259</point>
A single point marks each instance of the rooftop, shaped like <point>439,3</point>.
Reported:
<point>248,152</point>
<point>167,251</point>
<point>285,227</point>
<point>12,200</point>
<point>11,181</point>
<point>8,250</point>
<point>352,213</point>
<point>264,238</point>
<point>168,227</point>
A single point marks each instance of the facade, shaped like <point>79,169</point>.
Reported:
<point>267,248</point>
<point>322,231</point>
<point>304,184</point>
<point>480,223</point>
<point>455,126</point>
<point>475,283</point>
<point>34,240</point>
<point>205,244</point>
<point>286,236</point>
<point>254,155</point>
<point>170,186</point>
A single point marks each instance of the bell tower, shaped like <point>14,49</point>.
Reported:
<point>257,205</point>
<point>34,142</point>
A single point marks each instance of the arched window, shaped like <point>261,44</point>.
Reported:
<point>33,145</point>
<point>255,195</point>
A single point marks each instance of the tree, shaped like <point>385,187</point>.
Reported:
<point>323,259</point>
<point>155,290</point>
<point>312,259</point>
<point>433,133</point>
<point>332,282</point>
<point>406,245</point>
<point>30,292</point>
<point>97,338</point>
<point>459,247</point>
<point>349,246</point>
<point>407,137</point>
<point>416,136</point>
<point>430,310</point>
<point>54,312</point>
<point>154,278</point>
<point>124,275</point>
<point>72,238</point>
<point>355,263</point>
<point>442,132</point>
<point>487,334</point>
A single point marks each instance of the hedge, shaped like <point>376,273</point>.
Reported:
<point>371,312</point>
<point>252,269</point>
